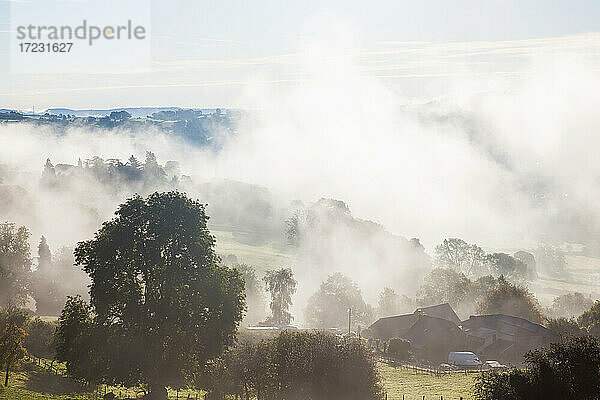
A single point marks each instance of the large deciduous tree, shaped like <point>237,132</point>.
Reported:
<point>511,300</point>
<point>502,264</point>
<point>255,299</point>
<point>461,256</point>
<point>328,307</point>
<point>389,302</point>
<point>571,305</point>
<point>443,285</point>
<point>15,265</point>
<point>281,285</point>
<point>55,279</point>
<point>161,305</point>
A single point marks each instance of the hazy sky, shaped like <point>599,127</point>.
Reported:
<point>205,53</point>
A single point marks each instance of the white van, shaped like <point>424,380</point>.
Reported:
<point>464,359</point>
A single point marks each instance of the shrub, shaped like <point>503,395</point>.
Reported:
<point>566,370</point>
<point>399,348</point>
<point>564,327</point>
<point>590,320</point>
<point>39,340</point>
<point>298,365</point>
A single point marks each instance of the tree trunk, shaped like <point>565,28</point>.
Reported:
<point>7,368</point>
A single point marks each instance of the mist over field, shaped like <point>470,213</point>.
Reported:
<point>504,162</point>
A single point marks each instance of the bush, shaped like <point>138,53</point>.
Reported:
<point>39,340</point>
<point>297,365</point>
<point>399,348</point>
<point>566,370</point>
<point>565,328</point>
<point>590,320</point>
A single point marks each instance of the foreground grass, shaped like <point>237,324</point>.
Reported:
<point>399,381</point>
<point>34,383</point>
<point>12,393</point>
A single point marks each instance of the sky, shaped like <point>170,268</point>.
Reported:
<point>206,54</point>
<point>437,119</point>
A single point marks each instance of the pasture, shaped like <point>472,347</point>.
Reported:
<point>33,382</point>
<point>399,381</point>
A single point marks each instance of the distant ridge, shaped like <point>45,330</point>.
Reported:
<point>134,111</point>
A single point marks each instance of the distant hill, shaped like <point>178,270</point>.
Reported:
<point>135,112</point>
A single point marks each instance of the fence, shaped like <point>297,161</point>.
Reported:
<point>424,369</point>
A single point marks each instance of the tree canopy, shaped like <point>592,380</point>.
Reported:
<point>56,278</point>
<point>473,262</point>
<point>328,307</point>
<point>461,256</point>
<point>565,370</point>
<point>161,306</point>
<point>511,300</point>
<point>443,285</point>
<point>12,346</point>
<point>390,303</point>
<point>255,298</point>
<point>281,285</point>
<point>571,305</point>
<point>590,320</point>
<point>15,264</point>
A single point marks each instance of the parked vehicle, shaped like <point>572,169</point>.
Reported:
<point>491,364</point>
<point>447,367</point>
<point>464,359</point>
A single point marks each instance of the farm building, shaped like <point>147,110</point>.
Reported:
<point>433,338</point>
<point>435,331</point>
<point>504,337</point>
<point>396,326</point>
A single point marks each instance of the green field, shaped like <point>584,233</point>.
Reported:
<point>583,275</point>
<point>262,256</point>
<point>33,383</point>
<point>400,381</point>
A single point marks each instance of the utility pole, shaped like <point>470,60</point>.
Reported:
<point>349,318</point>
